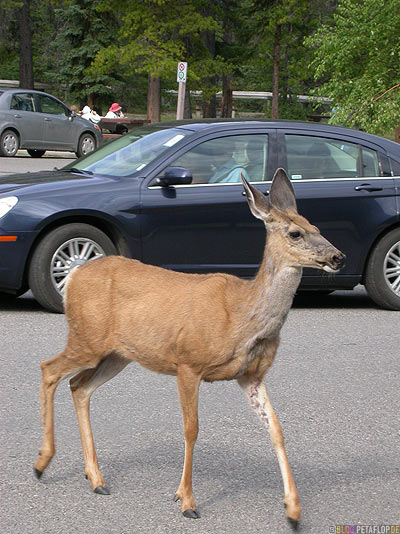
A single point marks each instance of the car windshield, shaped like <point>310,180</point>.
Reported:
<point>131,152</point>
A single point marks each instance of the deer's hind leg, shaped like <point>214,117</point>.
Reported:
<point>256,393</point>
<point>53,371</point>
<point>82,387</point>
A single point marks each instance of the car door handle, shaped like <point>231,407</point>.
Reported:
<point>266,193</point>
<point>367,187</point>
<point>18,116</point>
<point>47,119</point>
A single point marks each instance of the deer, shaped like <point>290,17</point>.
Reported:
<point>196,327</point>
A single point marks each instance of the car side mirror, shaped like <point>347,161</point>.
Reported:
<point>175,176</point>
<point>71,115</point>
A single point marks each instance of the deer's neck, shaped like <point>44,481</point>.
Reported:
<point>271,295</point>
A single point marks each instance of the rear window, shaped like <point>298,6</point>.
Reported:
<point>395,167</point>
<point>22,102</point>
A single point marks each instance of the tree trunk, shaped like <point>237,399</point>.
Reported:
<point>227,99</point>
<point>153,98</point>
<point>209,105</point>
<point>25,46</point>
<point>275,78</point>
<point>397,135</point>
<point>187,109</point>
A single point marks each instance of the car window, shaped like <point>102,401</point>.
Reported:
<point>49,105</point>
<point>395,167</point>
<point>310,157</point>
<point>222,160</point>
<point>370,163</point>
<point>22,102</point>
<point>131,152</point>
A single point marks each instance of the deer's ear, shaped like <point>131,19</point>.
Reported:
<point>258,204</point>
<point>282,194</point>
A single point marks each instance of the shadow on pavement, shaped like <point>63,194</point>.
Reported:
<point>355,299</point>
<point>25,303</point>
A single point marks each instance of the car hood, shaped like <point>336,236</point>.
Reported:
<point>14,182</point>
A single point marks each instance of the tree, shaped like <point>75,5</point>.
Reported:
<point>154,36</point>
<point>16,41</point>
<point>25,46</point>
<point>357,58</point>
<point>84,27</point>
<point>276,29</point>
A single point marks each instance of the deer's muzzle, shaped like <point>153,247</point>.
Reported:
<point>334,263</point>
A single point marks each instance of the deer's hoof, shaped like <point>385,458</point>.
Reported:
<point>176,498</point>
<point>101,490</point>
<point>191,514</point>
<point>293,523</point>
<point>38,473</point>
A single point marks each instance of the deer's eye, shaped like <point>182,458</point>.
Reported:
<point>295,235</point>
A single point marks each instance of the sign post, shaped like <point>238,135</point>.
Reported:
<point>181,79</point>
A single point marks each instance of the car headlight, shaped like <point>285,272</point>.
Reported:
<point>7,204</point>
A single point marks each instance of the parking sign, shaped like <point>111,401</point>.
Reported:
<point>181,73</point>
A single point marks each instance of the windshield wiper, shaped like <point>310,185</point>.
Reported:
<point>79,171</point>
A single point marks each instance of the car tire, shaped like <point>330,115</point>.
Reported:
<point>35,153</point>
<point>87,144</point>
<point>382,278</point>
<point>9,143</point>
<point>60,251</point>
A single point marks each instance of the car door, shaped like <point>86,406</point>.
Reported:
<point>26,120</point>
<point>58,130</point>
<point>207,226</point>
<point>342,188</point>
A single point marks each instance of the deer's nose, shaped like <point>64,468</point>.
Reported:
<point>338,259</point>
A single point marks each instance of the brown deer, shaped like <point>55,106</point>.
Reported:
<point>196,327</point>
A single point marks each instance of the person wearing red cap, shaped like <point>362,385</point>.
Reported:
<point>115,112</point>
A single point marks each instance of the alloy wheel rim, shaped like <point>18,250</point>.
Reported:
<point>9,144</point>
<point>71,254</point>
<point>391,268</point>
<point>87,145</point>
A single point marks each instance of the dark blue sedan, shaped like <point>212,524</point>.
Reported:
<point>169,194</point>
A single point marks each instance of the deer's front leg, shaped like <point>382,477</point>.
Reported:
<point>256,393</point>
<point>188,388</point>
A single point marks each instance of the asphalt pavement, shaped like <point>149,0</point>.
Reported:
<point>334,386</point>
<point>23,162</point>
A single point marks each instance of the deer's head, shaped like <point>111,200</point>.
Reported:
<point>292,240</point>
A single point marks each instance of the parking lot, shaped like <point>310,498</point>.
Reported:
<point>24,163</point>
<point>334,386</point>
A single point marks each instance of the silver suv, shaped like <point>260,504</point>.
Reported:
<point>38,122</point>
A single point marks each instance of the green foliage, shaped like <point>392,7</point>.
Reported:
<point>297,18</point>
<point>81,32</point>
<point>357,58</point>
<point>156,34</point>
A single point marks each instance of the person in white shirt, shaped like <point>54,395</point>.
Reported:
<point>90,115</point>
<point>115,112</point>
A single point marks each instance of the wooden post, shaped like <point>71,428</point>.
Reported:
<point>181,100</point>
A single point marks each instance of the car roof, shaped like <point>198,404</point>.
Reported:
<point>24,90</point>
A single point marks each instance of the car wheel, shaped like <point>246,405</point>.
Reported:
<point>9,143</point>
<point>34,153</point>
<point>86,145</point>
<point>57,254</point>
<point>382,278</point>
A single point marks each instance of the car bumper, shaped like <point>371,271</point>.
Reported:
<point>13,259</point>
